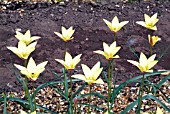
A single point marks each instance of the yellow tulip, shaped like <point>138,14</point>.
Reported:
<point>70,62</point>
<point>66,33</point>
<point>23,112</point>
<point>109,52</point>
<point>23,51</point>
<point>145,64</point>
<point>90,75</point>
<point>32,71</point>
<point>153,39</point>
<point>149,22</point>
<point>26,38</point>
<point>115,26</point>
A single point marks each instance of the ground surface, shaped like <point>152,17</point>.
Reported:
<point>91,31</point>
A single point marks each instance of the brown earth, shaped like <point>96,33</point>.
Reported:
<point>43,19</point>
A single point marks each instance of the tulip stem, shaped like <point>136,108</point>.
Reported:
<point>89,100</point>
<point>141,92</point>
<point>114,36</point>
<point>71,97</point>
<point>109,86</point>
<point>150,50</point>
<point>65,47</point>
<point>34,96</point>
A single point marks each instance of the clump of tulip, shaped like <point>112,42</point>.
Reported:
<point>90,76</point>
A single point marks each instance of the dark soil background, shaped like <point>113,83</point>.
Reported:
<point>43,19</point>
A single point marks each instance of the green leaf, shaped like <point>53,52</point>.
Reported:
<point>163,81</point>
<point>129,107</point>
<point>26,102</point>
<point>79,89</point>
<point>105,76</point>
<point>118,89</point>
<point>65,82</point>
<point>44,85</point>
<point>5,103</point>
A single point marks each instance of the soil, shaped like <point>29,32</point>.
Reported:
<point>43,19</point>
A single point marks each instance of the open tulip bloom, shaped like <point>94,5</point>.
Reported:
<point>109,51</point>
<point>66,33</point>
<point>26,38</point>
<point>23,51</point>
<point>70,62</point>
<point>145,64</point>
<point>115,26</point>
<point>32,71</point>
<point>90,75</point>
<point>153,39</point>
<point>149,22</point>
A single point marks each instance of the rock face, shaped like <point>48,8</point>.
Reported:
<point>87,19</point>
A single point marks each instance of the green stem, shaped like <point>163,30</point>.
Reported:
<point>109,87</point>
<point>34,96</point>
<point>150,50</point>
<point>114,36</point>
<point>65,77</point>
<point>71,96</point>
<point>142,91</point>
<point>65,47</point>
<point>89,100</point>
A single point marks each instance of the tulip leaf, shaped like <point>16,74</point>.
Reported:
<point>118,89</point>
<point>164,52</point>
<point>79,89</point>
<point>43,85</point>
<point>59,91</point>
<point>163,80</point>
<point>133,51</point>
<point>5,103</point>
<point>105,76</point>
<point>26,102</point>
<point>125,111</point>
<point>65,82</point>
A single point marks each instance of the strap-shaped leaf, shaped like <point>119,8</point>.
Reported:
<point>129,107</point>
<point>79,89</point>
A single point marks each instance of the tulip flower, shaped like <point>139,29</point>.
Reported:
<point>145,64</point>
<point>109,52</point>
<point>115,26</point>
<point>153,39</point>
<point>66,33</point>
<point>149,22</point>
<point>26,38</point>
<point>90,75</point>
<point>70,62</point>
<point>32,71</point>
<point>23,112</point>
<point>23,51</point>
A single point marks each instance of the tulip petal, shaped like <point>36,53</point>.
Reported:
<point>151,64</point>
<point>150,59</point>
<point>143,60</point>
<point>133,62</point>
<point>31,67</point>
<point>109,24</point>
<point>97,73</point>
<point>86,70</point>
<point>79,76</point>
<point>95,67</point>
<point>58,34</point>
<point>20,67</point>
<point>99,81</point>
<point>141,23</point>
